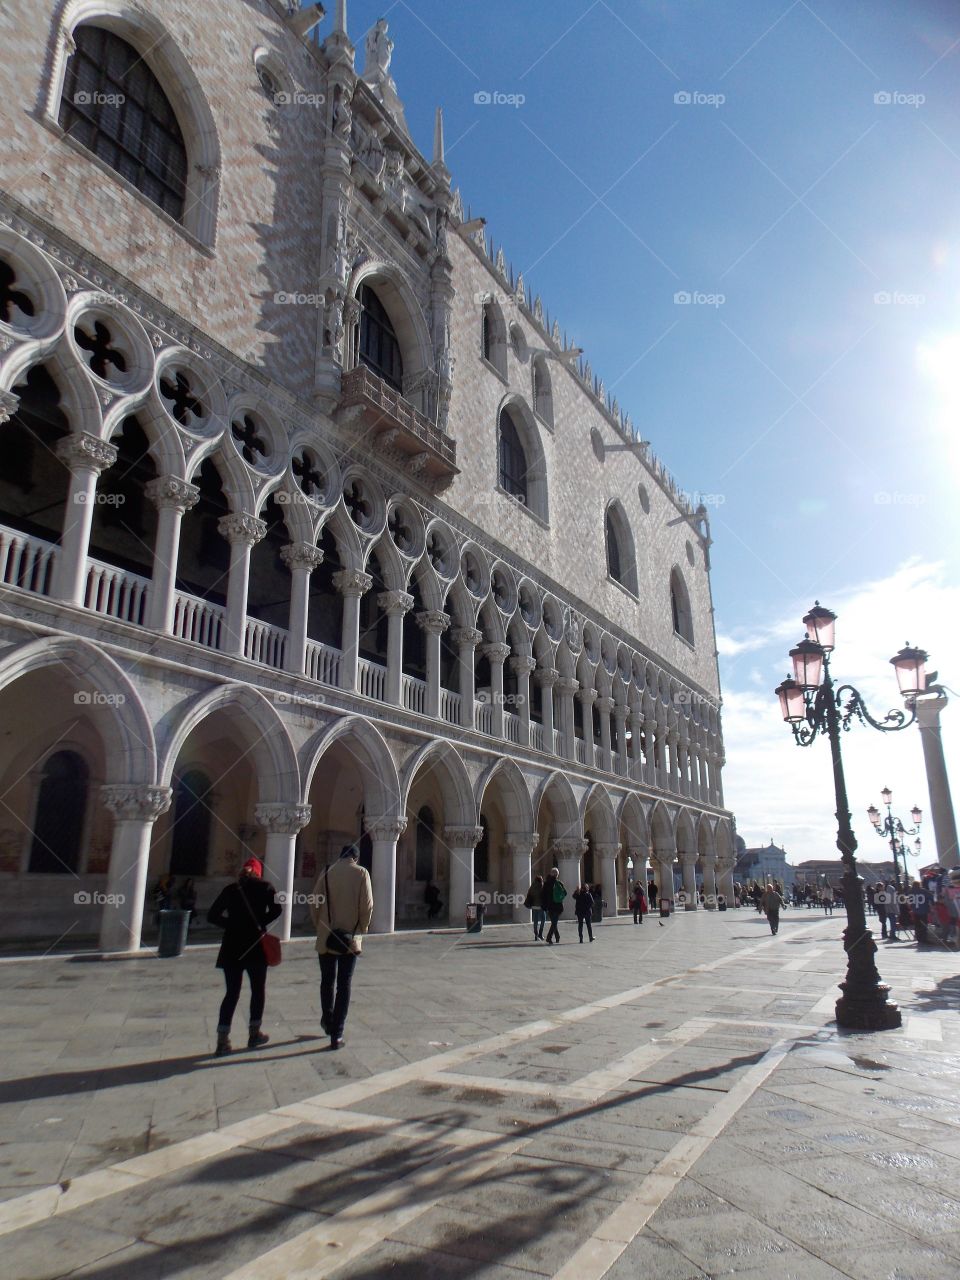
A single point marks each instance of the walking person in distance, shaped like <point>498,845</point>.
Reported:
<point>583,906</point>
<point>639,903</point>
<point>533,902</point>
<point>342,909</point>
<point>551,900</point>
<point>771,902</point>
<point>243,910</point>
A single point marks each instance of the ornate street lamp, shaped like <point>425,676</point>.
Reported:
<point>892,829</point>
<point>811,704</point>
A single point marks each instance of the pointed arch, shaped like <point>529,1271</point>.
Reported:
<point>542,390</point>
<point>680,606</point>
<point>459,807</point>
<point>372,755</point>
<point>270,748</point>
<point>517,805</point>
<point>563,802</point>
<point>399,301</point>
<point>493,335</point>
<point>632,820</point>
<point>119,713</point>
<point>621,551</point>
<point>597,805</point>
<point>521,462</point>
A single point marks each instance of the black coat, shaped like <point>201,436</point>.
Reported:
<point>546,898</point>
<point>584,904</point>
<point>243,911</point>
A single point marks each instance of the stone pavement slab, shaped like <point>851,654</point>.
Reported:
<point>695,1078</point>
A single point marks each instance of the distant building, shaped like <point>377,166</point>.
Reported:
<point>814,871</point>
<point>768,862</point>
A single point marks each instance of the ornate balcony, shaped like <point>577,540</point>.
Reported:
<point>403,435</point>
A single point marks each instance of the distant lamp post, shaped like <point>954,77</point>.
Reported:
<point>892,829</point>
<point>811,704</point>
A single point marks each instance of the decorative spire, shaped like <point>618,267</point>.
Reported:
<point>340,22</point>
<point>438,148</point>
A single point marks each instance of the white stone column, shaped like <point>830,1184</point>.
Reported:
<point>938,783</point>
<point>523,666</point>
<point>725,879</point>
<point>708,862</point>
<point>135,808</point>
<point>605,706</point>
<point>608,875</point>
<point>652,773</point>
<point>461,842</point>
<point>632,765</point>
<point>673,741</point>
<point>567,687</point>
<point>433,623</point>
<point>301,558</point>
<point>496,655</point>
<point>351,584</point>
<point>384,833</point>
<point>638,856</point>
<point>683,762</point>
<point>243,532</point>
<point>663,872</point>
<point>569,851</point>
<point>466,639</point>
<point>396,605</point>
<point>587,698</point>
<point>547,677</point>
<point>688,862</point>
<point>282,823</point>
<point>173,498</point>
<point>520,847</point>
<point>86,456</point>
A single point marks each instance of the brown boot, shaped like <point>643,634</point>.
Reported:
<point>223,1044</point>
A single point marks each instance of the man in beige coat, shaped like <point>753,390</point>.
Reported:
<point>342,909</point>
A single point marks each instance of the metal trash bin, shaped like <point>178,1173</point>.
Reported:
<point>475,912</point>
<point>721,902</point>
<point>173,933</point>
<point>665,905</point>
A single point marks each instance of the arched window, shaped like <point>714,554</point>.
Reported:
<point>494,337</point>
<point>542,391</point>
<point>680,604</point>
<point>58,824</point>
<point>114,105</point>
<point>424,849</point>
<point>621,561</point>
<point>513,460</point>
<point>379,347</point>
<point>192,812</point>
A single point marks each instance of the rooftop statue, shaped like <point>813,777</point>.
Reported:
<point>376,73</point>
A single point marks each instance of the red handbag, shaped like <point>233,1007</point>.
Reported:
<point>271,948</point>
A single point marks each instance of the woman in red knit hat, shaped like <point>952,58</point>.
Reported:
<point>243,910</point>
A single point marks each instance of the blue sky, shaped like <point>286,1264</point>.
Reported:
<point>814,183</point>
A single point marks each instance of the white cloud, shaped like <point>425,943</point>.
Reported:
<point>777,789</point>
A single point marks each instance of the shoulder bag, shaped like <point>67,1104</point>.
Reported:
<point>269,942</point>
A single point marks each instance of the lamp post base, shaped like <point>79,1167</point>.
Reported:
<point>868,1010</point>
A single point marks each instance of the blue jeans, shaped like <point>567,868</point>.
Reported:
<point>539,920</point>
<point>336,977</point>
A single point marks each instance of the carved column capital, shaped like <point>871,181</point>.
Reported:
<point>568,685</point>
<point>386,828</point>
<point>607,851</point>
<point>547,677</point>
<point>393,602</point>
<point>522,843</point>
<point>523,664</point>
<point>239,527</point>
<point>172,493</point>
<point>588,696</point>
<point>569,847</point>
<point>496,653</point>
<point>83,450</point>
<point>301,555</point>
<point>282,819</point>
<point>351,582</point>
<point>606,705</point>
<point>434,621</point>
<point>466,637</point>
<point>9,403</point>
<point>463,837</point>
<point>132,802</point>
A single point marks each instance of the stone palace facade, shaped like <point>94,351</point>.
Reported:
<point>313,527</point>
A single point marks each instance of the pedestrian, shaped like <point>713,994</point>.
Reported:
<point>870,894</point>
<point>652,894</point>
<point>431,896</point>
<point>583,906</point>
<point>551,900</point>
<point>826,899</point>
<point>533,903</point>
<point>771,902</point>
<point>187,899</point>
<point>921,912</point>
<point>342,908</point>
<point>243,910</point>
<point>639,903</point>
<point>888,894</point>
<point>161,895</point>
